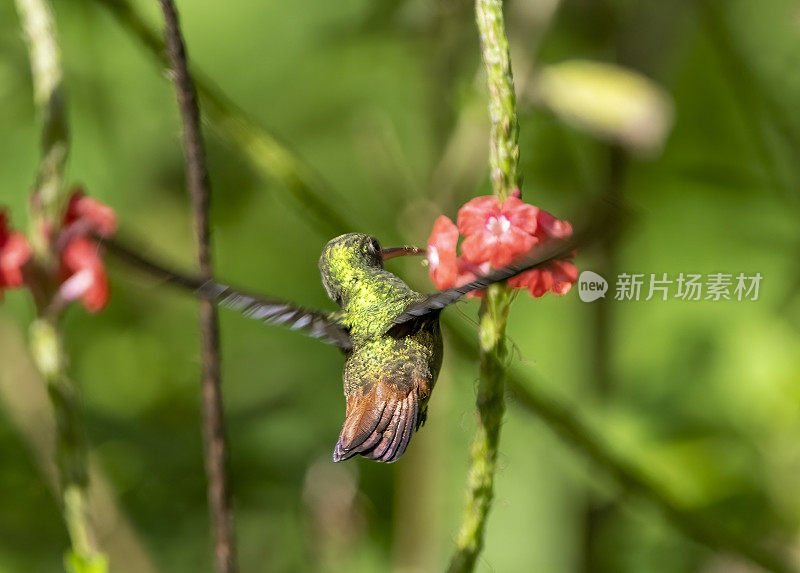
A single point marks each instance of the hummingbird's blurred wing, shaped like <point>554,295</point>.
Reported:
<point>315,324</point>
<point>416,314</point>
<point>378,424</point>
<point>320,325</point>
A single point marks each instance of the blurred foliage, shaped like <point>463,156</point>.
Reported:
<point>704,394</point>
<point>609,101</point>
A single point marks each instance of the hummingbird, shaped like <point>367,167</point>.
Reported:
<point>390,334</point>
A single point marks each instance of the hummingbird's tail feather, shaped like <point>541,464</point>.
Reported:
<point>363,427</point>
<point>379,424</point>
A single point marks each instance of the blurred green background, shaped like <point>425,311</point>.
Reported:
<point>386,101</point>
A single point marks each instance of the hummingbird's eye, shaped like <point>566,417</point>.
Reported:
<point>374,247</point>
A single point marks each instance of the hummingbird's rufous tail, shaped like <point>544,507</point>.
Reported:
<point>379,424</point>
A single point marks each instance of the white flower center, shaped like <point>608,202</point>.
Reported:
<point>498,225</point>
<point>433,256</point>
<point>76,285</point>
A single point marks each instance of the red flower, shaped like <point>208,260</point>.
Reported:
<point>497,232</point>
<point>86,276</point>
<point>81,266</point>
<point>558,277</point>
<point>548,227</point>
<point>80,274</point>
<point>445,268</point>
<point>441,253</point>
<point>90,215</point>
<point>14,253</point>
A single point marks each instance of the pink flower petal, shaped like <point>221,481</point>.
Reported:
<point>444,235</point>
<point>542,285</point>
<point>473,215</point>
<point>75,286</point>
<point>565,274</point>
<point>96,216</point>
<point>522,215</point>
<point>550,227</point>
<point>13,255</point>
<point>522,280</point>
<point>81,257</point>
<point>441,253</point>
<point>513,243</point>
<point>478,248</point>
<point>96,297</point>
<point>81,253</point>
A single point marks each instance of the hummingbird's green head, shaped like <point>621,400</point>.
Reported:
<point>345,259</point>
<point>352,257</point>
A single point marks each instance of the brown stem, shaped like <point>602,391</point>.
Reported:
<point>199,190</point>
<point>596,512</point>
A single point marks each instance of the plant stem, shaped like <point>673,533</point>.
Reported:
<point>36,19</point>
<point>504,131</point>
<point>503,163</point>
<point>491,406</point>
<point>597,514</point>
<point>199,189</point>
<point>71,449</point>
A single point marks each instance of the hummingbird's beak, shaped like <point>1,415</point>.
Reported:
<point>400,252</point>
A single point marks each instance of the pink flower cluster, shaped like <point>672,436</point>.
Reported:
<point>495,234</point>
<point>82,271</point>
<point>80,274</point>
